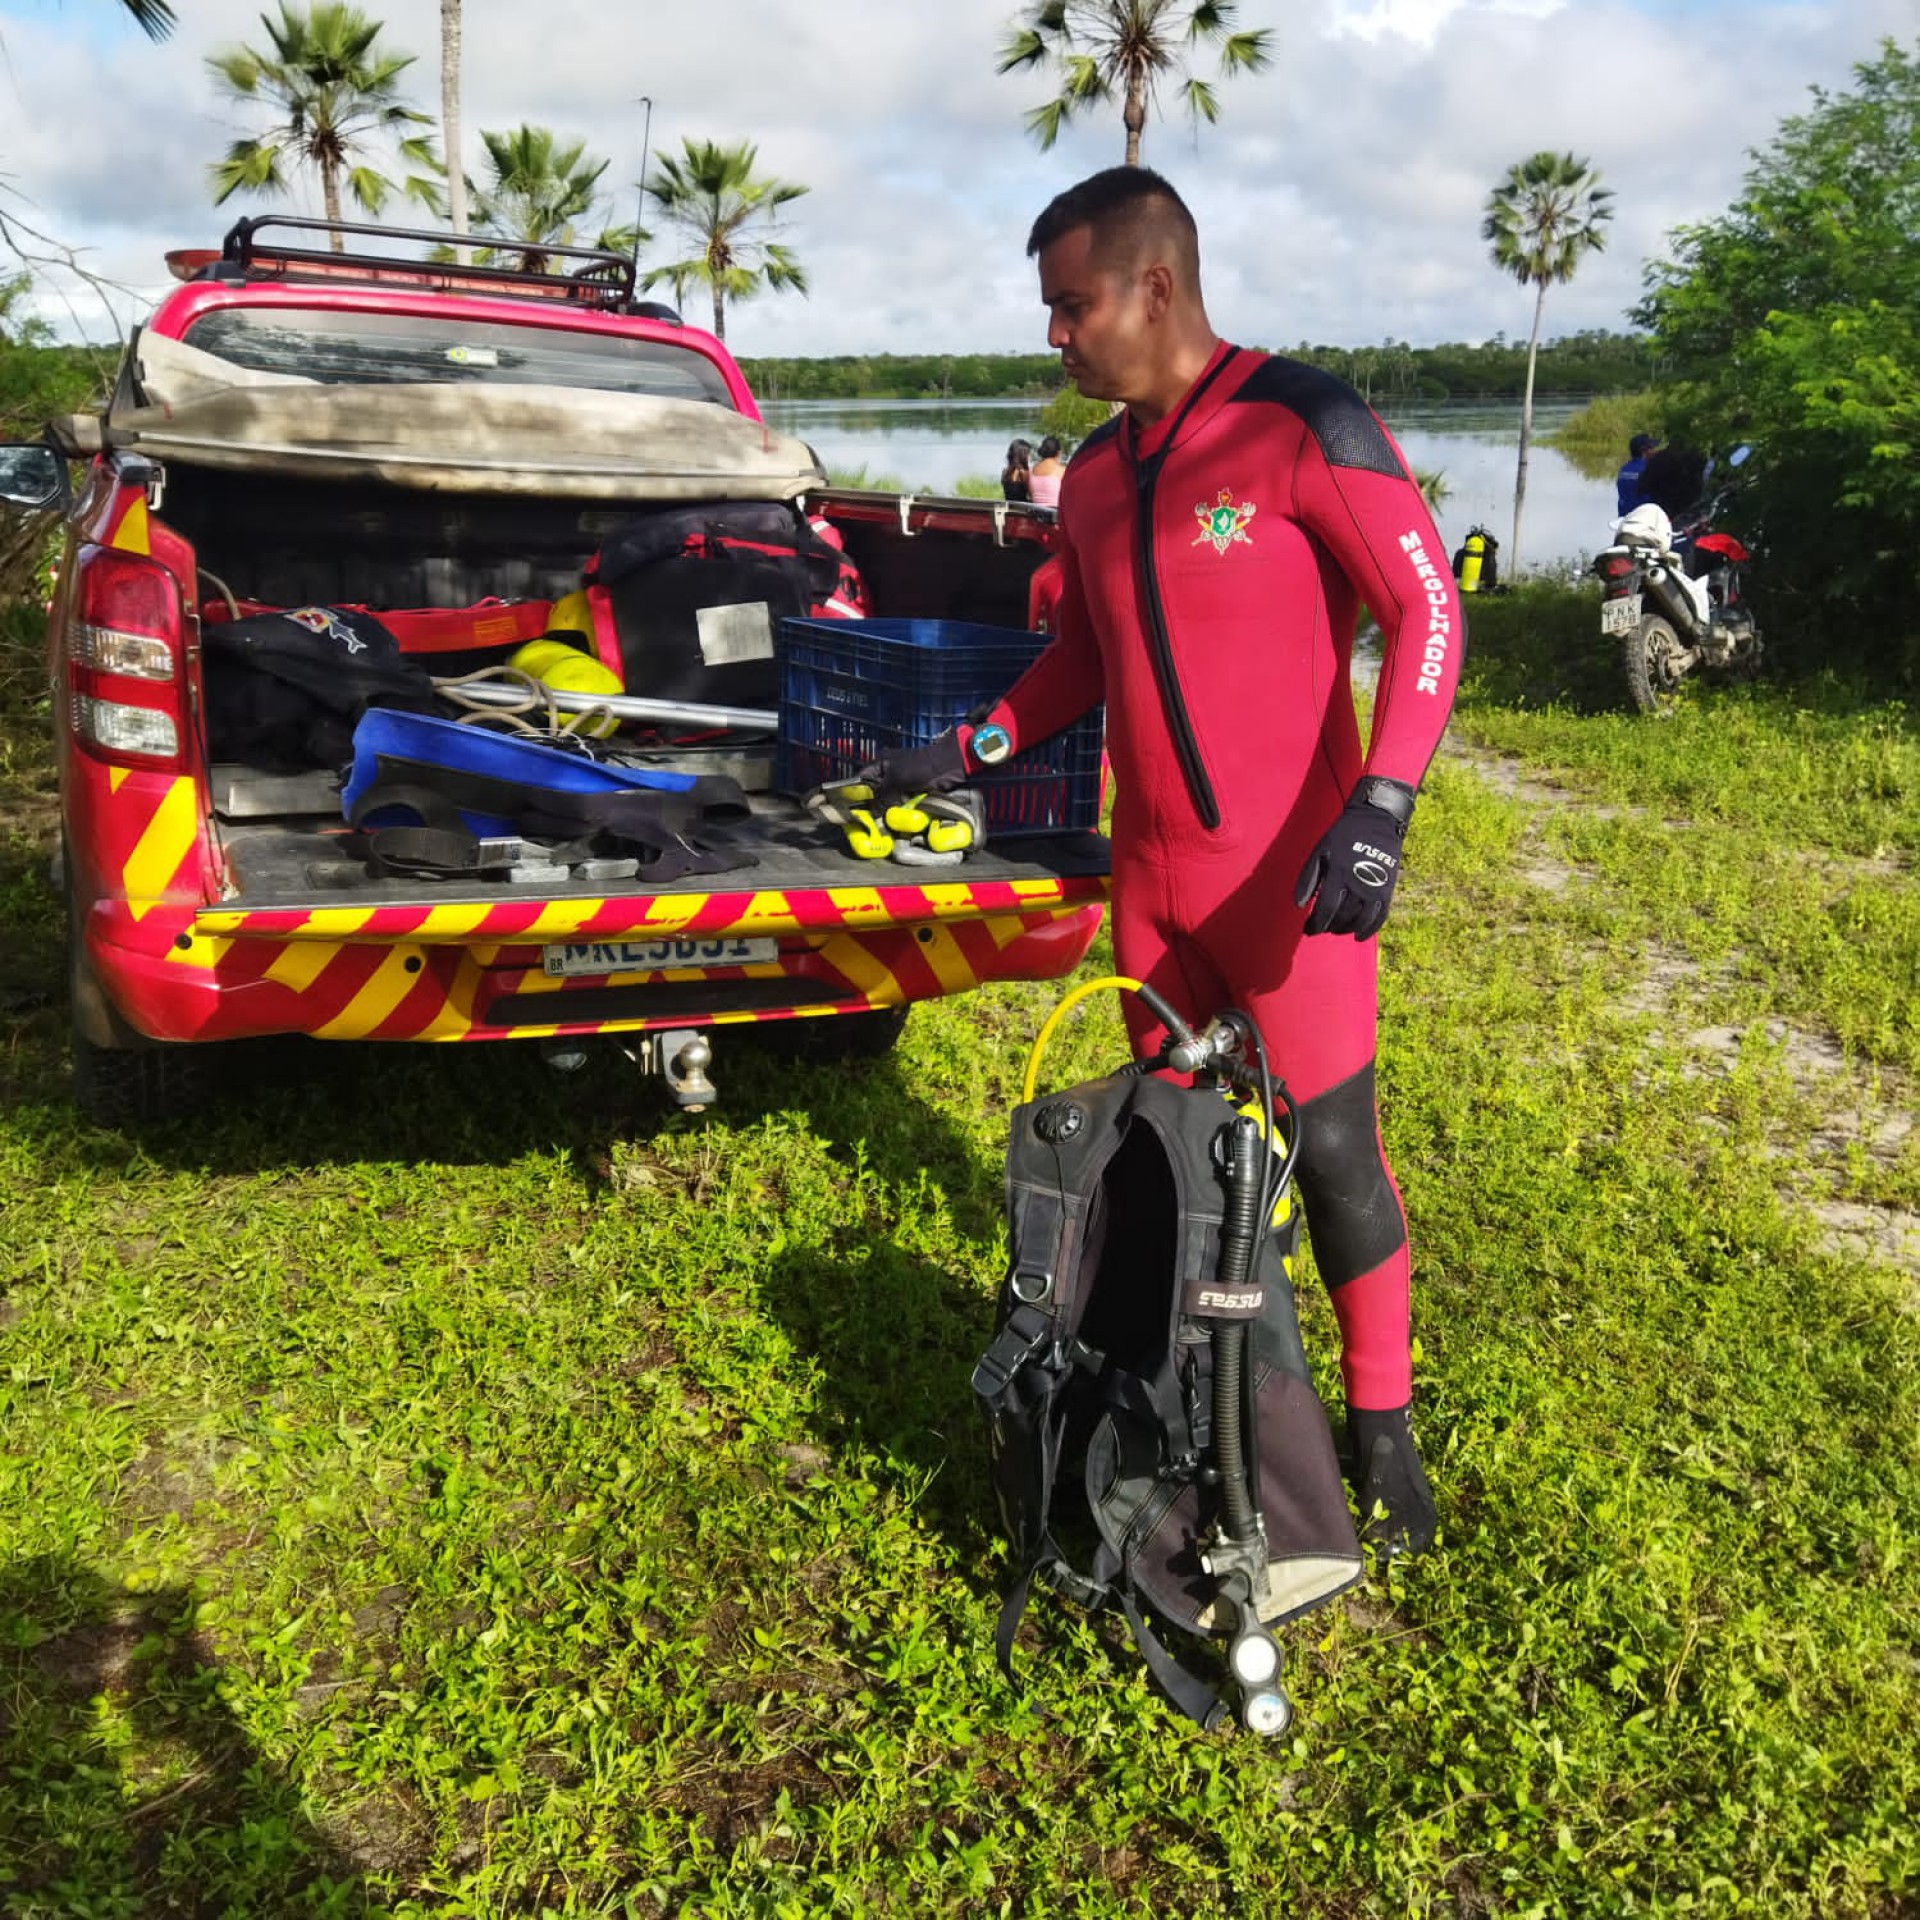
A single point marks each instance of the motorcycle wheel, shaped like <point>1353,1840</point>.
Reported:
<point>1747,663</point>
<point>1647,654</point>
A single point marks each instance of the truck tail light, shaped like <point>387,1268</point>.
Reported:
<point>124,659</point>
<point>116,729</point>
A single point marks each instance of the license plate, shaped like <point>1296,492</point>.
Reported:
<point>1620,616</point>
<point>654,956</point>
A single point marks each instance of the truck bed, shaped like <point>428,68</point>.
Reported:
<point>289,863</point>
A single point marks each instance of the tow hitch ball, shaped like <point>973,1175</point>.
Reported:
<point>681,1057</point>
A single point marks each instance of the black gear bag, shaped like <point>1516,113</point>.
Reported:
<point>1156,1440</point>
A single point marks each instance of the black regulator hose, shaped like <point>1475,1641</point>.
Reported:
<point>1247,1155</point>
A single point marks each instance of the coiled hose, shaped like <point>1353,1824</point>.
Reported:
<point>1247,1154</point>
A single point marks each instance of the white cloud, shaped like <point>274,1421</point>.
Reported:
<point>1339,198</point>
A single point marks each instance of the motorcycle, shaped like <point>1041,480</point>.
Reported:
<point>1673,597</point>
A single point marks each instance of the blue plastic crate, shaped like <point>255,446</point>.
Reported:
<point>852,689</point>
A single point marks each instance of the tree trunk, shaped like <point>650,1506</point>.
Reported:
<point>330,192</point>
<point>719,311</point>
<point>450,118</point>
<point>1526,434</point>
<point>1135,116</point>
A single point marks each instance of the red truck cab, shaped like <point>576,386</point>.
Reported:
<point>296,426</point>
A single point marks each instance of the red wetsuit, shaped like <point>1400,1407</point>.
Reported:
<point>1214,567</point>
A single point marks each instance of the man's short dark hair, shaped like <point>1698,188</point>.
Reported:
<point>1112,203</point>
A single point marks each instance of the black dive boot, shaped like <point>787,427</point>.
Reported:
<point>1384,1466</point>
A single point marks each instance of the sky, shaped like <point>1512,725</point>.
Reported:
<point>1339,197</point>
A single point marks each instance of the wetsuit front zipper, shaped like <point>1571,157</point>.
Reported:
<point>1160,645</point>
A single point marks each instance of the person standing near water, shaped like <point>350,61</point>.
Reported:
<point>1014,476</point>
<point>1221,535</point>
<point>1048,471</point>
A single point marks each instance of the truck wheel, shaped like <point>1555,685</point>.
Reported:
<point>140,1086</point>
<point>1647,654</point>
<point>847,1036</point>
<point>120,1077</point>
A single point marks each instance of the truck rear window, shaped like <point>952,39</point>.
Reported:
<point>363,349</point>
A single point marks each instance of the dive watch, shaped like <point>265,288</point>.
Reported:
<point>990,745</point>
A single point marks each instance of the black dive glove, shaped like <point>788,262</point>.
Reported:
<point>1354,867</point>
<point>938,767</point>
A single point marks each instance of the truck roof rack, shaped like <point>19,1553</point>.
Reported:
<point>602,278</point>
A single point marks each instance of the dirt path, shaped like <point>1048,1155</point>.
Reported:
<point>1865,1109</point>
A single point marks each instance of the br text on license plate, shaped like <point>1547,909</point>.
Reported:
<point>654,956</point>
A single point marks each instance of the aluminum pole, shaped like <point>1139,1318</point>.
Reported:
<point>640,222</point>
<point>623,706</point>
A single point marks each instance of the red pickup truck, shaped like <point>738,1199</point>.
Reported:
<point>349,422</point>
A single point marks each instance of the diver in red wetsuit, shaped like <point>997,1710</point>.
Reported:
<point>1221,536</point>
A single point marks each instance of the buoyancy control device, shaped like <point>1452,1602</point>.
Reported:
<point>1155,1436</point>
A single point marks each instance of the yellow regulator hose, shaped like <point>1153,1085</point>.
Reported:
<point>1071,1000</point>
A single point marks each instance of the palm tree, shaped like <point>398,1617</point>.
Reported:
<point>153,17</point>
<point>538,193</point>
<point>450,113</point>
<point>1542,220</point>
<point>1103,50</point>
<point>334,89</point>
<point>710,194</point>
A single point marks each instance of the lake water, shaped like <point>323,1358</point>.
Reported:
<point>928,445</point>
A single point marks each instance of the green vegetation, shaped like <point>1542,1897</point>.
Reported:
<point>1100,51</point>
<point>1595,439</point>
<point>1070,416</point>
<point>1793,321</point>
<point>725,212</point>
<point>37,378</point>
<point>1578,364</point>
<point>438,1488</point>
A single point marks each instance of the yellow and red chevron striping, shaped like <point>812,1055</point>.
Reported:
<point>695,915</point>
<point>188,982</point>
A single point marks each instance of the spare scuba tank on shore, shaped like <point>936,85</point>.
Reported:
<point>1476,563</point>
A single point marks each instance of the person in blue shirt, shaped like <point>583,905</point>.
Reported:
<point>1627,481</point>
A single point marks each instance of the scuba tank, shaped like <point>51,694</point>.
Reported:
<point>1476,565</point>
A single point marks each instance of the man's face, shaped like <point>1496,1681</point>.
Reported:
<point>1099,319</point>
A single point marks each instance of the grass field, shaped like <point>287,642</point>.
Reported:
<point>437,1488</point>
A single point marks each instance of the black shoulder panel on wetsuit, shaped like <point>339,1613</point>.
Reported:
<point>1335,415</point>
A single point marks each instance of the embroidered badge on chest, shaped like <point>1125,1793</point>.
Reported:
<point>1223,523</point>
